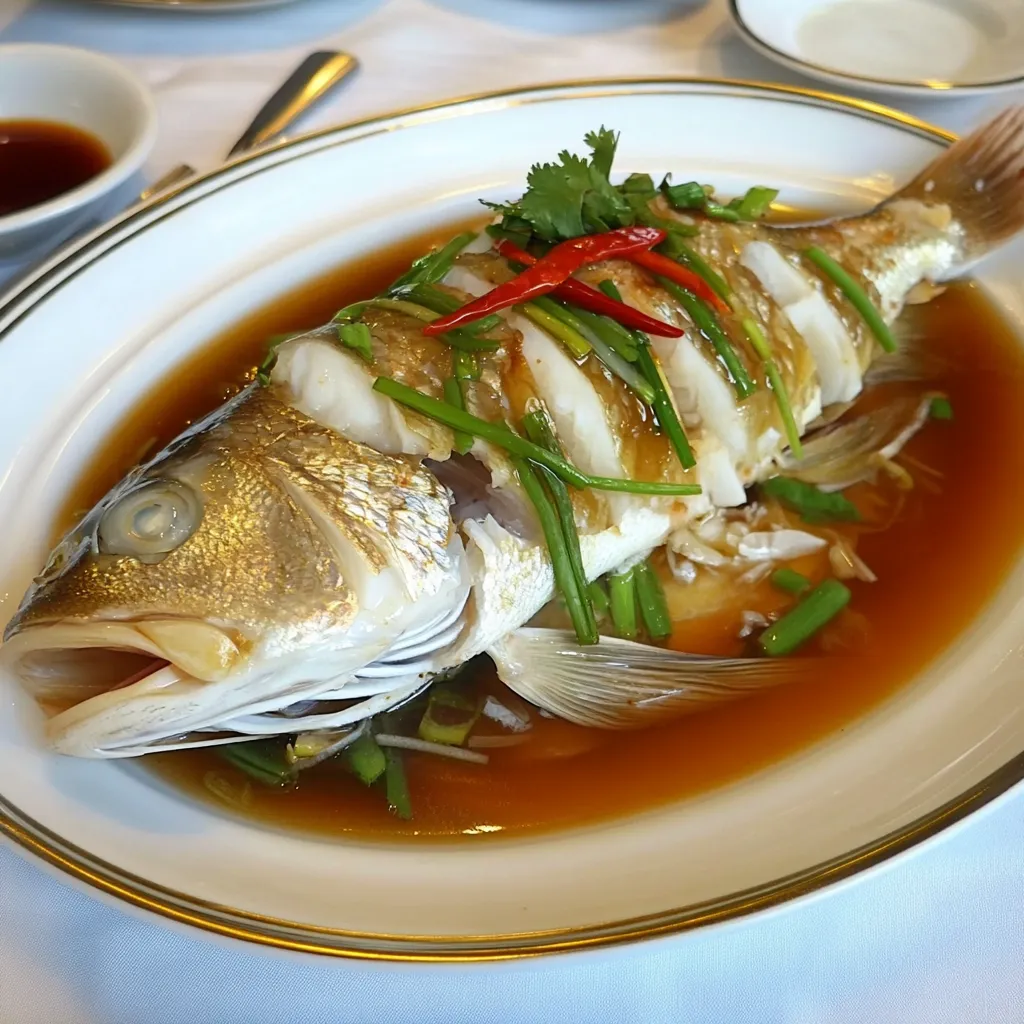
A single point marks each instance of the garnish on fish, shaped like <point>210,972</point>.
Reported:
<point>409,486</point>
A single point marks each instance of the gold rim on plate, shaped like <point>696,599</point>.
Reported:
<point>78,864</point>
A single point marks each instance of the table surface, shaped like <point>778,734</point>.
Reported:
<point>935,937</point>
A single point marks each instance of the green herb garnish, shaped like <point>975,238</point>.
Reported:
<point>499,434</point>
<point>940,409</point>
<point>707,323</point>
<point>396,786</point>
<point>541,315</point>
<point>813,504</point>
<point>622,599</point>
<point>365,758</point>
<point>651,598</point>
<point>796,627</point>
<point>432,268</point>
<point>790,580</point>
<point>760,345</point>
<point>357,337</point>
<point>453,396</point>
<point>449,717</point>
<point>855,293</point>
<point>262,760</point>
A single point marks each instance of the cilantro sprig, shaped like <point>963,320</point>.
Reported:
<point>575,197</point>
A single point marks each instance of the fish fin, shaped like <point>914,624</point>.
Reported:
<point>619,684</point>
<point>848,451</point>
<point>981,179</point>
<point>915,358</point>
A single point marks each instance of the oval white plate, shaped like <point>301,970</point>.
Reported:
<point>908,47</point>
<point>101,323</point>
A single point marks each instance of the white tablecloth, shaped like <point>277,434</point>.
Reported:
<point>935,938</point>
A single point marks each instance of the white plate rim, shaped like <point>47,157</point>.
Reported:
<point>923,87</point>
<point>29,837</point>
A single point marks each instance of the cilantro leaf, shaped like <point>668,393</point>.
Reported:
<point>603,144</point>
<point>553,202</point>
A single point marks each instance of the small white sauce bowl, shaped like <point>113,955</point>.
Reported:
<point>903,47</point>
<point>87,91</point>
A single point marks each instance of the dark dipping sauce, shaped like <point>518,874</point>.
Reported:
<point>40,160</point>
<point>951,542</point>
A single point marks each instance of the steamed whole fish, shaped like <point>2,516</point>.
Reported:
<point>314,552</point>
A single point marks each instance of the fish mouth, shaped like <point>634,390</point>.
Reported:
<point>77,671</point>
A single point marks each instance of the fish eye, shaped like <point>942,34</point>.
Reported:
<point>153,519</point>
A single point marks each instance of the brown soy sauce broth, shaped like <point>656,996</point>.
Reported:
<point>564,775</point>
<point>40,160</point>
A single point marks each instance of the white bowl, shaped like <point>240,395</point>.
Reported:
<point>904,47</point>
<point>87,91</point>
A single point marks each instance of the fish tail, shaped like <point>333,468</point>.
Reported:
<point>981,179</point>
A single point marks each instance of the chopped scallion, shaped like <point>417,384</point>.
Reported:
<point>718,212</point>
<point>262,760</point>
<point>453,396</point>
<point>598,599</point>
<point>756,203</point>
<point>538,430</point>
<point>690,195</point>
<point>432,268</point>
<point>940,409</point>
<point>664,407</point>
<point>577,345</point>
<point>561,563</point>
<point>500,435</point>
<point>790,580</point>
<point>813,504</point>
<point>707,323</point>
<point>465,366</point>
<point>682,253</point>
<point>449,717</point>
<point>461,338</point>
<point>622,599</point>
<point>365,758</point>
<point>607,355</point>
<point>855,293</point>
<point>796,627</point>
<point>444,303</point>
<point>778,386</point>
<point>651,598</point>
<point>613,334</point>
<point>357,337</point>
<point>396,786</point>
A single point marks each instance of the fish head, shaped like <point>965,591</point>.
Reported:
<point>259,560</point>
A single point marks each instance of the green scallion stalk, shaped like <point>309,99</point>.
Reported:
<point>538,430</point>
<point>651,598</point>
<point>718,212</point>
<point>262,760</point>
<point>771,370</point>
<point>855,293</point>
<point>707,323</point>
<point>454,397</point>
<point>561,563</point>
<point>432,268</point>
<point>756,203</point>
<point>598,599</point>
<point>813,504</point>
<point>614,335</point>
<point>940,409</point>
<point>396,786</point>
<point>351,312</point>
<point>465,366</point>
<point>790,580</point>
<point>499,434</point>
<point>577,345</point>
<point>449,717</point>
<point>620,367</point>
<point>443,303</point>
<point>664,407</point>
<point>796,627</point>
<point>365,758</point>
<point>622,600</point>
<point>357,337</point>
<point>690,195</point>
<point>459,338</point>
<point>682,253</point>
